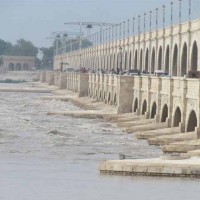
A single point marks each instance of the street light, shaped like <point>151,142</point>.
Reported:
<point>49,64</point>
<point>80,61</point>
<point>57,40</point>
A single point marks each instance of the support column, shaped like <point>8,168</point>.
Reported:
<point>125,95</point>
<point>63,81</point>
<point>43,77</point>
<point>50,78</point>
<point>83,84</point>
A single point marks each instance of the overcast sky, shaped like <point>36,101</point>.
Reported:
<point>35,19</point>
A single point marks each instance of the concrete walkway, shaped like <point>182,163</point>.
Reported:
<point>167,139</point>
<point>158,132</point>
<point>182,147</point>
<point>152,167</point>
<point>136,123</point>
<point>147,127</point>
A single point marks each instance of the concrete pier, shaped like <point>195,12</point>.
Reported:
<point>158,132</point>
<point>167,139</point>
<point>152,167</point>
<point>136,123</point>
<point>146,112</point>
<point>147,127</point>
<point>182,146</point>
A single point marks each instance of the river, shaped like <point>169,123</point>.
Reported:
<point>55,158</point>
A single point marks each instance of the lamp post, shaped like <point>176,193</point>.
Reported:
<point>145,22</point>
<point>65,42</point>
<point>138,24</point>
<point>189,10</point>
<point>133,25</point>
<point>49,65</point>
<point>157,19</point>
<point>150,20</point>
<point>180,9</point>
<point>163,16</point>
<point>171,13</point>
<point>57,43</point>
<point>80,61</point>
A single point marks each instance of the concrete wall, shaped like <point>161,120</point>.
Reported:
<point>174,100</point>
<point>154,97</point>
<point>76,82</point>
<point>175,50</point>
<point>18,63</point>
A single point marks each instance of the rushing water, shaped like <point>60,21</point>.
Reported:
<point>37,163</point>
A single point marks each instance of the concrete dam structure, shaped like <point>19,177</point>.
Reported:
<point>170,100</point>
<point>164,110</point>
<point>174,99</point>
<point>172,49</point>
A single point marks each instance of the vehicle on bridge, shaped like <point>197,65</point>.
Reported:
<point>160,73</point>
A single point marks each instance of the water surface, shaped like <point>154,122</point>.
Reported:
<point>37,163</point>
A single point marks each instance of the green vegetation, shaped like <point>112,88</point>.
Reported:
<point>1,60</point>
<point>12,81</point>
<point>47,58</point>
<point>21,48</point>
<point>26,48</point>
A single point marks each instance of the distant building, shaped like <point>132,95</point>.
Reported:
<point>17,63</point>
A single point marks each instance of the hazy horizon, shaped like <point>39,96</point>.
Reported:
<point>35,20</point>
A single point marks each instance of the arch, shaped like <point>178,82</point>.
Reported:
<point>98,63</point>
<point>115,99</point>
<point>18,67</point>
<point>11,67</point>
<point>25,66</point>
<point>125,60</point>
<point>167,60</point>
<point>153,110</point>
<point>192,122</point>
<point>118,60</point>
<point>104,96</point>
<point>164,113</point>
<point>194,57</point>
<point>107,62</point>
<point>130,60</point>
<point>177,117</point>
<point>100,95</point>
<point>153,57</point>
<point>184,60</point>
<point>110,65</point>
<point>114,63</point>
<point>121,59</point>
<point>147,60</point>
<point>135,107</point>
<point>175,61</point>
<point>160,58</point>
<point>144,107</point>
<point>135,60</point>
<point>109,95</point>
<point>141,59</point>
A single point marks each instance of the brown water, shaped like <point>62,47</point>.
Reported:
<point>38,165</point>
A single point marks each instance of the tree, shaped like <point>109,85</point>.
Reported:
<point>1,60</point>
<point>5,47</point>
<point>47,58</point>
<point>23,48</point>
